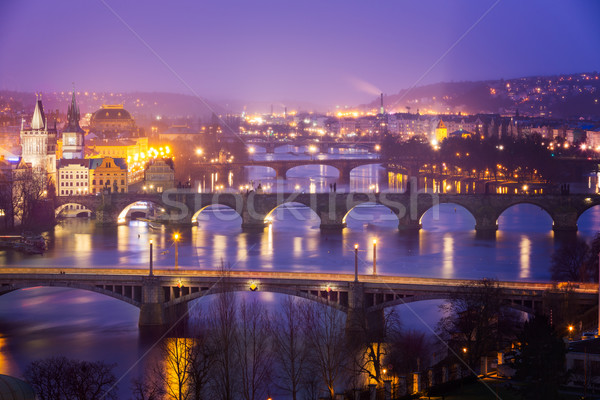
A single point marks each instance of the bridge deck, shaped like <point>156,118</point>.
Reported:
<point>105,274</point>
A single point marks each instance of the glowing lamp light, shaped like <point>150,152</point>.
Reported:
<point>356,246</point>
<point>179,284</point>
<point>464,350</point>
<point>251,150</point>
<point>253,286</point>
<point>328,288</point>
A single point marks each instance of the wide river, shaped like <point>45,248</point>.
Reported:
<point>42,322</point>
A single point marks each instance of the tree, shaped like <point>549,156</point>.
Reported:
<point>177,358</point>
<point>325,329</point>
<point>374,333</point>
<point>408,352</point>
<point>221,321</point>
<point>254,355</point>
<point>59,378</point>
<point>570,262</point>
<point>475,321</point>
<point>289,346</point>
<point>540,359</point>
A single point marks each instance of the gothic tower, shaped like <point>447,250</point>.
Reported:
<point>72,136</point>
<point>38,142</point>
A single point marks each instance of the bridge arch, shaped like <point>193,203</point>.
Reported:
<point>449,210</point>
<point>291,207</point>
<point>374,163</point>
<point>148,205</point>
<point>529,307</point>
<point>331,299</point>
<point>382,212</point>
<point>320,164</point>
<point>132,296</point>
<point>589,216</point>
<point>533,208</point>
<point>218,207</point>
<point>69,206</point>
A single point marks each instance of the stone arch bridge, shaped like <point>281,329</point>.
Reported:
<point>163,298</point>
<point>182,206</point>
<point>281,167</point>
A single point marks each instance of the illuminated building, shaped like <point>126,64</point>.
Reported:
<point>73,177</point>
<point>112,121</point>
<point>441,132</point>
<point>108,175</point>
<point>159,175</point>
<point>72,136</point>
<point>120,148</point>
<point>38,143</point>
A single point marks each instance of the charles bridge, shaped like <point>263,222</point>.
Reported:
<point>163,295</point>
<point>182,206</point>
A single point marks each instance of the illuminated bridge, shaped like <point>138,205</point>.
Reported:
<point>163,298</point>
<point>182,206</point>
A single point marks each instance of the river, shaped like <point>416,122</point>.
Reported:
<point>42,322</point>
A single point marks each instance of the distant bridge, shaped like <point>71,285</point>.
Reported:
<point>281,167</point>
<point>163,298</point>
<point>320,145</point>
<point>182,206</point>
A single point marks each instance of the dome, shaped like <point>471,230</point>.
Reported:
<point>111,112</point>
<point>15,389</point>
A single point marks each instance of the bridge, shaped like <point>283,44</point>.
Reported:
<point>182,206</point>
<point>163,298</point>
<point>322,146</point>
<point>281,167</point>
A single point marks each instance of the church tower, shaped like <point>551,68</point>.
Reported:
<point>72,136</point>
<point>38,142</point>
<point>441,132</point>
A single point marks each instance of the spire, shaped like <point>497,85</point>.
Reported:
<point>37,122</point>
<point>73,116</point>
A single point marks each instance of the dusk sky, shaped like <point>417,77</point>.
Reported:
<point>320,51</point>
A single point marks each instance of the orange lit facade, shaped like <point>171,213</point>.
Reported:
<point>108,175</point>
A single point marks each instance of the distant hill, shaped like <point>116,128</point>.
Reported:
<point>557,96</point>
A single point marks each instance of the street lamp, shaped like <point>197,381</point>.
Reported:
<point>176,240</point>
<point>374,256</point>
<point>151,273</point>
<point>356,262</point>
<point>570,331</point>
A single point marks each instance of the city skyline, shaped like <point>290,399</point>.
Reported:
<point>326,54</point>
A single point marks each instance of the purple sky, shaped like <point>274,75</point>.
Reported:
<point>321,51</point>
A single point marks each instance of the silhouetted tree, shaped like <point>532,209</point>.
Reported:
<point>475,320</point>
<point>540,360</point>
<point>289,346</point>
<point>570,262</point>
<point>59,378</point>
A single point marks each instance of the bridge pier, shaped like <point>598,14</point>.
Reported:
<point>252,224</point>
<point>565,222</point>
<point>408,224</point>
<point>362,326</point>
<point>152,311</point>
<point>329,224</point>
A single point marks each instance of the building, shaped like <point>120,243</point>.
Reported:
<point>159,175</point>
<point>38,143</point>
<point>441,132</point>
<point>73,177</point>
<point>108,175</point>
<point>112,121</point>
<point>73,136</point>
<point>132,148</point>
<point>583,362</point>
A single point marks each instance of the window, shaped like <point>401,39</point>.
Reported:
<point>108,181</point>
<point>93,181</point>
<point>122,190</point>
<point>62,192</point>
<point>62,184</point>
<point>122,181</point>
<point>101,181</point>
